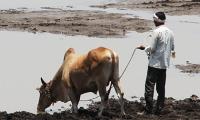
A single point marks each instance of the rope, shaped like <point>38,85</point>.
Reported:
<point>108,92</point>
<point>128,63</point>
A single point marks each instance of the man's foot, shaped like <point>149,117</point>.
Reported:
<point>157,112</point>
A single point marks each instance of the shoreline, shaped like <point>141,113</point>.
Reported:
<point>188,108</point>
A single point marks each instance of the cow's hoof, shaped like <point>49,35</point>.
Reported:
<point>100,114</point>
<point>39,112</point>
<point>123,113</point>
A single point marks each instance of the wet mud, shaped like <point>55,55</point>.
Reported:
<point>187,109</point>
<point>189,68</point>
<point>171,7</point>
<point>93,23</point>
<point>72,22</point>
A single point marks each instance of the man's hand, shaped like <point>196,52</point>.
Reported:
<point>141,47</point>
<point>173,54</point>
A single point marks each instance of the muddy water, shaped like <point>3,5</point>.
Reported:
<point>25,57</point>
<point>64,4</point>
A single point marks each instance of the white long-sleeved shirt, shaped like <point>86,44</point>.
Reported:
<point>162,44</point>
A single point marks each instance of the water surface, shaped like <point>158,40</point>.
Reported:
<point>64,4</point>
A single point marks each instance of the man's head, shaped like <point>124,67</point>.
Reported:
<point>159,18</point>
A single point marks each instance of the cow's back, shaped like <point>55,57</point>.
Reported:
<point>93,69</point>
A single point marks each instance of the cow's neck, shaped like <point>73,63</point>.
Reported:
<point>59,91</point>
<point>58,74</point>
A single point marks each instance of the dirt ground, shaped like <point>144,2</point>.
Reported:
<point>187,109</point>
<point>76,22</point>
<point>171,7</point>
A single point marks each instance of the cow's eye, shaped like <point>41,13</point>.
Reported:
<point>42,92</point>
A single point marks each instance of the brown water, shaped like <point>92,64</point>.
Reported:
<point>25,57</point>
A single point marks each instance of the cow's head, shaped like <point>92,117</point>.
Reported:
<point>50,92</point>
<point>45,99</point>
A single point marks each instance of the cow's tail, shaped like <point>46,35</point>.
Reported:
<point>115,71</point>
<point>115,81</point>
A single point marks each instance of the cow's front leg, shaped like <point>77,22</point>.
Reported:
<point>75,100</point>
<point>74,108</point>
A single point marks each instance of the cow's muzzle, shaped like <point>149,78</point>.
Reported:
<point>40,112</point>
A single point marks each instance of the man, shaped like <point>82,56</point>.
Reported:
<point>159,52</point>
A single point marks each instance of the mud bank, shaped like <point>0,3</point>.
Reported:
<point>72,22</point>
<point>187,109</point>
<point>172,7</point>
<point>189,68</point>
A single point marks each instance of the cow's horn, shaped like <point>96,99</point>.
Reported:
<point>43,82</point>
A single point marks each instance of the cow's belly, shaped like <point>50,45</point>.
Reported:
<point>83,82</point>
<point>90,87</point>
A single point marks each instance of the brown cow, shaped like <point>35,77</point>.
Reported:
<point>80,74</point>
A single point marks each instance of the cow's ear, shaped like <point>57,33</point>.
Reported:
<point>43,82</point>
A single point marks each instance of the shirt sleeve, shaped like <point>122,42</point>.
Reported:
<point>152,46</point>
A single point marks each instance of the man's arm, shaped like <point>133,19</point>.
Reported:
<point>152,47</point>
<point>153,43</point>
<point>173,47</point>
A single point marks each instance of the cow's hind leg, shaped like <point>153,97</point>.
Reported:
<point>102,93</point>
<point>120,94</point>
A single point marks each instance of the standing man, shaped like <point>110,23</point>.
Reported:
<point>159,52</point>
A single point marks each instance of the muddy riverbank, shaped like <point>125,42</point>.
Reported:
<point>171,7</point>
<point>93,23</point>
<point>72,22</point>
<point>188,108</point>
